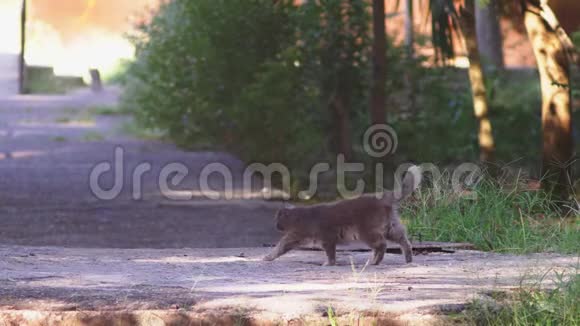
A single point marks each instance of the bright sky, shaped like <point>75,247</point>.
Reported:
<point>72,35</point>
<point>9,25</point>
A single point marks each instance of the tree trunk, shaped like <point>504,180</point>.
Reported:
<point>378,97</point>
<point>409,32</point>
<point>489,33</point>
<point>21,61</point>
<point>409,45</point>
<point>554,70</point>
<point>339,105</point>
<point>476,76</point>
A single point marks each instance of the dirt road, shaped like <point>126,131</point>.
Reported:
<point>50,144</point>
<point>201,283</point>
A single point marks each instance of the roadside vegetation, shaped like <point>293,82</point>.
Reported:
<point>506,217</point>
<point>528,305</point>
<point>274,97</point>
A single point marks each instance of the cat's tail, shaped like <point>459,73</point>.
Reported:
<point>411,182</point>
<point>404,188</point>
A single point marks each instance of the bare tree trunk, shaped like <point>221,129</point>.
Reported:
<point>378,96</point>
<point>409,32</point>
<point>21,61</point>
<point>339,105</point>
<point>409,45</point>
<point>476,77</point>
<point>554,68</point>
<point>489,35</point>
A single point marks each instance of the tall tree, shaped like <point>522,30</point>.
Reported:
<point>345,27</point>
<point>467,22</point>
<point>409,45</point>
<point>409,30</point>
<point>552,49</point>
<point>339,107</point>
<point>379,55</point>
<point>489,36</point>
<point>445,21</point>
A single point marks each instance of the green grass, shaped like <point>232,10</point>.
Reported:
<point>131,128</point>
<point>118,74</point>
<point>529,305</point>
<point>494,217</point>
<point>106,110</point>
<point>59,139</point>
<point>331,317</point>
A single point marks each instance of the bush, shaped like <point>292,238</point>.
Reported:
<point>199,66</point>
<point>253,77</point>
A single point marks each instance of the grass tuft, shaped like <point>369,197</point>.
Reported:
<point>530,306</point>
<point>132,129</point>
<point>59,139</point>
<point>493,216</point>
<point>106,110</point>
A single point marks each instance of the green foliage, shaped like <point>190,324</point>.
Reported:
<point>434,134</point>
<point>333,44</point>
<point>576,39</point>
<point>195,62</point>
<point>275,119</point>
<point>515,106</point>
<point>253,77</point>
<point>493,217</point>
<point>444,128</point>
<point>532,305</point>
<point>137,131</point>
<point>257,77</point>
<point>105,110</point>
<point>118,74</point>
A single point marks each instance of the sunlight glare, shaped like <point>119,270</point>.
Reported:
<point>10,26</point>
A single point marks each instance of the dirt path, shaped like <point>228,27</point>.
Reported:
<point>201,282</point>
<point>49,145</point>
